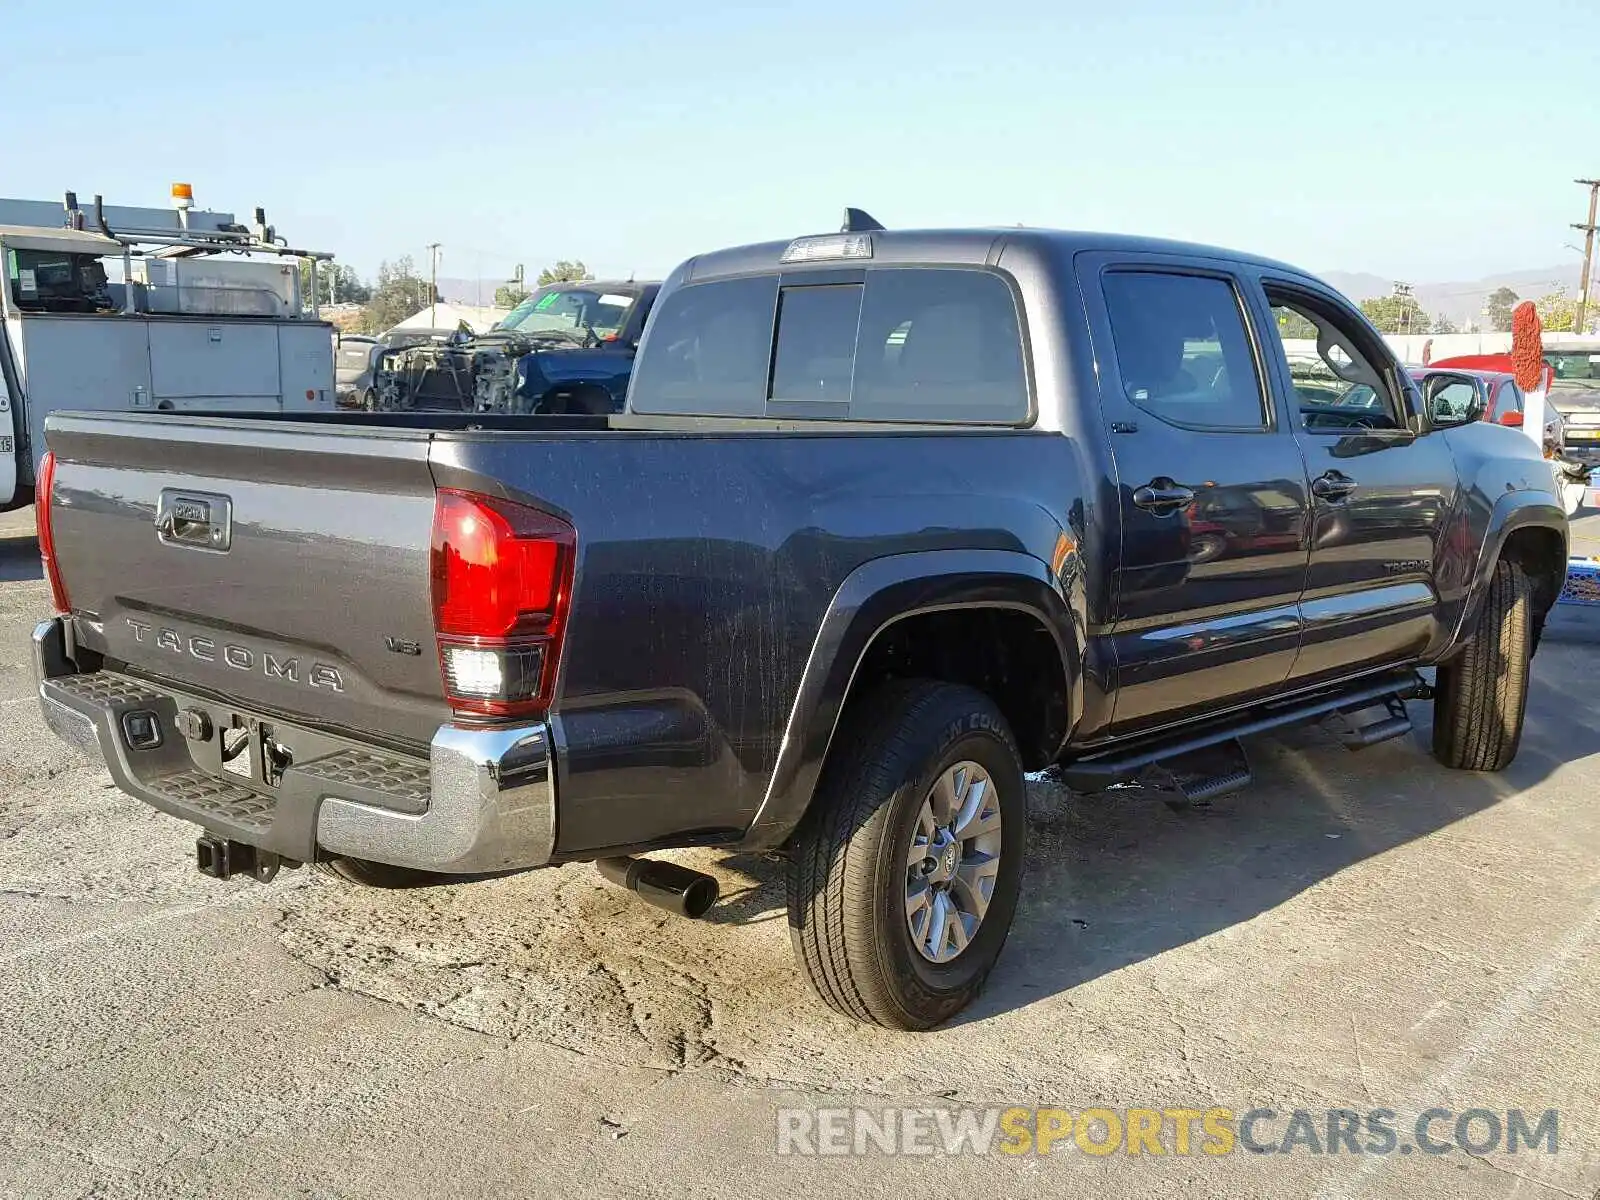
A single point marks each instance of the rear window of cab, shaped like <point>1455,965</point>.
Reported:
<point>904,344</point>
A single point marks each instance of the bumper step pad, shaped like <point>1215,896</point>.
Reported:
<point>186,777</point>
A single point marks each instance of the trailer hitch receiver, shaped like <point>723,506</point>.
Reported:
<point>223,858</point>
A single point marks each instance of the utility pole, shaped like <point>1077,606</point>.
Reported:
<point>1402,292</point>
<point>1588,252</point>
<point>433,285</point>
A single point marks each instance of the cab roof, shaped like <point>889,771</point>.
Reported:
<point>954,246</point>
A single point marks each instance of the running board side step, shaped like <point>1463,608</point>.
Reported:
<point>1097,772</point>
<point>1396,724</point>
<point>1195,779</point>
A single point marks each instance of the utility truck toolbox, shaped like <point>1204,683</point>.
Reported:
<point>890,519</point>
<point>206,313</point>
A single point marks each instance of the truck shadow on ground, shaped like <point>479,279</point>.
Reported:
<point>1112,882</point>
<point>19,558</point>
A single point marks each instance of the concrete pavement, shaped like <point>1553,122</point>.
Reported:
<point>1364,930</point>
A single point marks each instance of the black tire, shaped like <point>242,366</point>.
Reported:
<point>369,400</point>
<point>847,873</point>
<point>590,402</point>
<point>366,873</point>
<point>1482,693</point>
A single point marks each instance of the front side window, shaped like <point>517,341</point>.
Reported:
<point>1337,386</point>
<point>1182,350</point>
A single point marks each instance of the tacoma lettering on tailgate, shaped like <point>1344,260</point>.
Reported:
<point>240,658</point>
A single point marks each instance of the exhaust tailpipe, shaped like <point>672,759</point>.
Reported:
<point>677,889</point>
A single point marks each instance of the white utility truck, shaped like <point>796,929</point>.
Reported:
<point>206,313</point>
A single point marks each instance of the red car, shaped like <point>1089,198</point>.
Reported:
<point>1498,394</point>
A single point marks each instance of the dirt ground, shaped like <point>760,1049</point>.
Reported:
<point>1364,930</point>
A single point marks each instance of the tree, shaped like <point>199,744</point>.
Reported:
<point>565,271</point>
<point>1558,312</point>
<point>1292,325</point>
<point>1396,314</point>
<point>400,293</point>
<point>1445,325</point>
<point>509,295</point>
<point>1497,309</point>
<point>349,289</point>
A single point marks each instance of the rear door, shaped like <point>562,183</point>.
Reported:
<point>1211,484</point>
<point>1381,491</point>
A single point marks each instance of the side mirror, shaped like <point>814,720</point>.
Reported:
<point>1452,400</point>
<point>1511,419</point>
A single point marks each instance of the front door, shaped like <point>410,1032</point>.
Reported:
<point>1211,488</point>
<point>1382,489</point>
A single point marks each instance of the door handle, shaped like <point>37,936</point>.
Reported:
<point>1332,485</point>
<point>1162,496</point>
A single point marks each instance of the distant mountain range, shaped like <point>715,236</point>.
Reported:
<point>1462,302</point>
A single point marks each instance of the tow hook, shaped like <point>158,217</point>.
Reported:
<point>222,858</point>
<point>679,890</point>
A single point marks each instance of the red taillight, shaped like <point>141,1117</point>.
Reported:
<point>502,579</point>
<point>44,489</point>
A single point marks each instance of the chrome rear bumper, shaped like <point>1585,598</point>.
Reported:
<point>483,800</point>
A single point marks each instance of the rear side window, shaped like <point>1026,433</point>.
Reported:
<point>908,344</point>
<point>709,349</point>
<point>1182,350</point>
<point>939,346</point>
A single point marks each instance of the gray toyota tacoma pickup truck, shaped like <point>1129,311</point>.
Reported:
<point>891,518</point>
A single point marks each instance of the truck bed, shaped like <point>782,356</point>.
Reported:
<point>706,563</point>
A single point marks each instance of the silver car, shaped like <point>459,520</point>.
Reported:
<point>353,363</point>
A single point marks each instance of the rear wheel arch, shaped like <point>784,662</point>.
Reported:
<point>901,617</point>
<point>1002,651</point>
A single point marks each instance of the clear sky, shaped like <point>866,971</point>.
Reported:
<point>1410,138</point>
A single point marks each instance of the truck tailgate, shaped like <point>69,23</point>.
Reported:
<point>281,566</point>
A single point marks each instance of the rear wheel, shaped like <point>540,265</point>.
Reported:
<point>366,873</point>
<point>589,401</point>
<point>1482,693</point>
<point>906,870</point>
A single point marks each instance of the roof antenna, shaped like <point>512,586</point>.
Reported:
<point>858,220</point>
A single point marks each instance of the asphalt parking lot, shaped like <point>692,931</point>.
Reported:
<point>1358,930</point>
